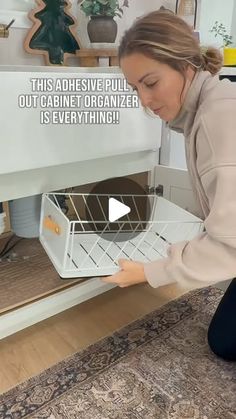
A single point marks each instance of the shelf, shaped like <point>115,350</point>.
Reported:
<point>28,276</point>
<point>228,71</point>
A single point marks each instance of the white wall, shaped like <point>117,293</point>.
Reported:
<point>17,4</point>
<point>233,26</point>
<point>11,49</point>
<point>210,12</point>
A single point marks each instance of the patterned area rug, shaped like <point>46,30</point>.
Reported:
<point>157,367</point>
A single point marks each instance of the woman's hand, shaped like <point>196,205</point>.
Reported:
<point>131,273</point>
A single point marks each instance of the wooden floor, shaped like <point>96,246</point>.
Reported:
<point>32,350</point>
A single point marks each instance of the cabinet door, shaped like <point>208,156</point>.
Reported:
<point>7,219</point>
<point>176,186</point>
<point>172,172</point>
<point>172,151</point>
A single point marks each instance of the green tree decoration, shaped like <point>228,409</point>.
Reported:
<point>53,33</point>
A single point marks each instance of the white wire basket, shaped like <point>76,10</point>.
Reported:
<point>76,250</point>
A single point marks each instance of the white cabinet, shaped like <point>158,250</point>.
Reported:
<point>38,158</point>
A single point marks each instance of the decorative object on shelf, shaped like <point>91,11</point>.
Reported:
<point>102,27</point>
<point>25,216</point>
<point>220,30</point>
<point>2,221</point>
<point>53,33</point>
<point>165,9</point>
<point>187,9</point>
<point>4,29</point>
<point>90,57</point>
<point>229,52</point>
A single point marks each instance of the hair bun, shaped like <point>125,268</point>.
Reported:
<point>212,59</point>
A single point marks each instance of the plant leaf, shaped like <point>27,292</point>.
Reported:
<point>104,2</point>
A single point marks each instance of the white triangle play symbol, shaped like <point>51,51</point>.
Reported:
<point>116,209</point>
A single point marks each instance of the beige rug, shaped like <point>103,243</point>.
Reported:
<point>157,367</point>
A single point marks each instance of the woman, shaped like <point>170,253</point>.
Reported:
<point>161,59</point>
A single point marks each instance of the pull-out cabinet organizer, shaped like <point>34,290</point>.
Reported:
<point>79,248</point>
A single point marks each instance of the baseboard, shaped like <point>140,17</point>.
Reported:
<point>26,316</point>
<point>32,313</point>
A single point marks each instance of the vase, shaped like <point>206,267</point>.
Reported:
<point>102,29</point>
<point>229,56</point>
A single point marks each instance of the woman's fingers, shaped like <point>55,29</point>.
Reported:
<point>131,273</point>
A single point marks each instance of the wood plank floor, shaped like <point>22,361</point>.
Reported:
<point>32,350</point>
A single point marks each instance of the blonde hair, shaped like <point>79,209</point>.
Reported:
<point>165,37</point>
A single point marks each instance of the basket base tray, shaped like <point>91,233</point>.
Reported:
<point>92,255</point>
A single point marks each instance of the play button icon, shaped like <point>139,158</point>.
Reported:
<point>117,210</point>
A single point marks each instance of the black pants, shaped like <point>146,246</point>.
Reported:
<point>222,329</point>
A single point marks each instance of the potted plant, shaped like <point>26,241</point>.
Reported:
<point>229,52</point>
<point>102,27</point>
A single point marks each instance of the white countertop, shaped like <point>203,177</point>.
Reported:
<point>228,71</point>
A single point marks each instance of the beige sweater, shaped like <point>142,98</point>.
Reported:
<point>208,121</point>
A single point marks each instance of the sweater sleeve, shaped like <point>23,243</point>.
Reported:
<point>211,256</point>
